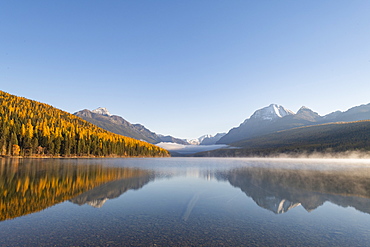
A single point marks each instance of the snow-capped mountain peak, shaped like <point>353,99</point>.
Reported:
<point>193,141</point>
<point>206,139</point>
<point>199,140</point>
<point>271,112</point>
<point>102,111</point>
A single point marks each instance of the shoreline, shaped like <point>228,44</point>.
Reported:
<point>75,157</point>
<point>281,158</point>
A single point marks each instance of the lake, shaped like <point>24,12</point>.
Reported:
<point>184,202</point>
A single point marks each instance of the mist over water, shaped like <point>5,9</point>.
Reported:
<point>188,149</point>
<point>354,155</point>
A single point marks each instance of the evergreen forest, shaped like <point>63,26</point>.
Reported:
<point>31,128</point>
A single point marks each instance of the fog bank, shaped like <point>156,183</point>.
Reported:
<point>188,149</point>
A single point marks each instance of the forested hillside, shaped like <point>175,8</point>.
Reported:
<point>30,128</point>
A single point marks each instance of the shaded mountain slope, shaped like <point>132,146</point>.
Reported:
<point>331,137</point>
<point>116,124</point>
<point>276,118</point>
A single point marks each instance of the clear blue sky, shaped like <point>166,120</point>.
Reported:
<point>187,68</point>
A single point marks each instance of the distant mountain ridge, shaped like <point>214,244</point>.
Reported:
<point>116,124</point>
<point>101,117</point>
<point>339,139</point>
<point>276,118</point>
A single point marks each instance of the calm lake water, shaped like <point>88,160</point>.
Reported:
<point>184,202</point>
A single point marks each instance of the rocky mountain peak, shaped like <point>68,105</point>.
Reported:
<point>83,113</point>
<point>308,114</point>
<point>102,111</point>
<point>271,112</point>
<point>303,108</point>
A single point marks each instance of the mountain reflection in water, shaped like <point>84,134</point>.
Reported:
<point>280,190</point>
<point>99,195</point>
<point>277,190</point>
<point>28,186</point>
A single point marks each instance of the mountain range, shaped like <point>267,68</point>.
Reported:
<point>275,118</point>
<point>116,124</point>
<point>269,130</point>
<point>102,118</point>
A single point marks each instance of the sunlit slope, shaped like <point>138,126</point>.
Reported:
<point>31,186</point>
<point>28,127</point>
<point>326,138</point>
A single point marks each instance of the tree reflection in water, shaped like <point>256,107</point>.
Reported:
<point>28,186</point>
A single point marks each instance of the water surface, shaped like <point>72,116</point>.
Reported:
<point>184,202</point>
